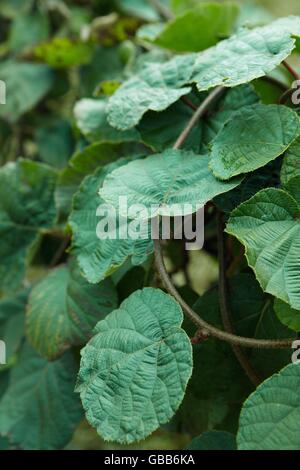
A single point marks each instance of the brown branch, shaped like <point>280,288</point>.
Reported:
<point>225,309</point>
<point>291,70</point>
<point>201,324</point>
<point>201,110</point>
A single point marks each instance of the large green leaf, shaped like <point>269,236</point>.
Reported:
<point>98,258</point>
<point>26,207</point>
<point>168,181</point>
<point>287,315</point>
<point>213,440</point>
<point>270,417</point>
<point>155,88</point>
<point>214,21</point>
<point>291,162</point>
<point>26,85</point>
<point>74,309</point>
<point>91,118</point>
<point>253,137</point>
<point>250,54</point>
<point>83,162</point>
<point>268,226</point>
<point>134,371</point>
<point>50,385</point>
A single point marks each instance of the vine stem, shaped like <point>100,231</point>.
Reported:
<point>201,110</point>
<point>291,70</point>
<point>201,324</point>
<point>225,308</point>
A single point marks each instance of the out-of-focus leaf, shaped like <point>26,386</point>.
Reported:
<point>28,30</point>
<point>62,52</point>
<point>26,207</point>
<point>55,143</point>
<point>75,308</point>
<point>26,85</point>
<point>33,381</point>
<point>215,21</point>
<point>213,440</point>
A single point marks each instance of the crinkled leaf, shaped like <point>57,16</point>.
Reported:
<point>155,88</point>
<point>291,162</point>
<point>85,162</point>
<point>235,99</point>
<point>253,137</point>
<point>268,226</point>
<point>26,207</point>
<point>249,54</point>
<point>98,258</point>
<point>33,381</point>
<point>160,182</point>
<point>26,84</point>
<point>134,371</point>
<point>270,417</point>
<point>74,309</point>
<point>91,118</point>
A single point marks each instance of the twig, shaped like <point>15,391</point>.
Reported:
<point>291,70</point>
<point>201,110</point>
<point>60,251</point>
<point>225,309</point>
<point>202,324</point>
<point>161,268</point>
<point>189,103</point>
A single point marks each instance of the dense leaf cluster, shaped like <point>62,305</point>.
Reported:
<point>101,103</point>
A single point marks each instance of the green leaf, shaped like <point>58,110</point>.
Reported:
<point>63,52</point>
<point>228,63</point>
<point>155,88</point>
<point>85,162</point>
<point>55,142</point>
<point>214,20</point>
<point>98,258</point>
<point>287,315</point>
<point>253,137</point>
<point>235,99</point>
<point>33,381</point>
<point>134,371</point>
<point>213,440</point>
<point>26,85</point>
<point>174,177</point>
<point>12,322</point>
<point>91,119</point>
<point>75,308</point>
<point>159,85</point>
<point>268,226</point>
<point>270,417</point>
<point>26,207</point>
<point>28,30</point>
<point>291,162</point>
<point>161,130</point>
